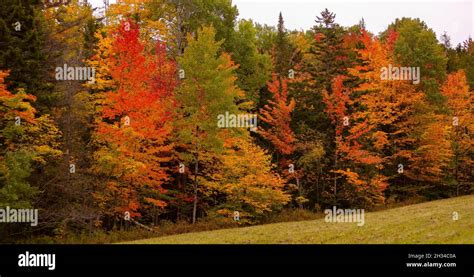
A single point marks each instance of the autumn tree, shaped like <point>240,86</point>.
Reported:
<point>68,25</point>
<point>460,122</point>
<point>277,116</point>
<point>135,125</point>
<point>246,177</point>
<point>406,127</point>
<point>29,143</point>
<point>417,46</point>
<point>354,162</point>
<point>207,90</point>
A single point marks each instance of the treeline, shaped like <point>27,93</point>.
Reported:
<point>137,134</point>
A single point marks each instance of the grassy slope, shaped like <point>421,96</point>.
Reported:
<point>429,222</point>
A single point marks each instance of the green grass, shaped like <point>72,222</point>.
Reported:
<point>430,222</point>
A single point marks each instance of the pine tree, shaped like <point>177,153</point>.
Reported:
<point>23,49</point>
<point>327,58</point>
<point>282,50</point>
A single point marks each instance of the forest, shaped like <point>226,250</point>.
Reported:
<point>177,112</point>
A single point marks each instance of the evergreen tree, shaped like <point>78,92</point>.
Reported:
<point>282,50</point>
<point>326,59</point>
<point>22,49</point>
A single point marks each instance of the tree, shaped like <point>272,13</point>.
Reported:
<point>207,91</point>
<point>327,58</point>
<point>70,26</point>
<point>188,16</point>
<point>278,116</point>
<point>135,125</point>
<point>353,158</point>
<point>246,180</point>
<point>406,128</point>
<point>283,50</point>
<point>417,46</point>
<point>254,68</point>
<point>460,121</point>
<point>28,143</point>
<point>23,50</point>
<point>462,57</point>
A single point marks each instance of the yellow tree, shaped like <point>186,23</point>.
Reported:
<point>461,126</point>
<point>26,141</point>
<point>246,179</point>
<point>407,131</point>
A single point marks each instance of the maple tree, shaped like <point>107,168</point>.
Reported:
<point>277,114</point>
<point>135,124</point>
<point>353,159</point>
<point>407,129</point>
<point>461,126</point>
<point>245,176</point>
<point>145,136</point>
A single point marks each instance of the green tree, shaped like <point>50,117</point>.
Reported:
<point>327,58</point>
<point>254,68</point>
<point>207,91</point>
<point>23,51</point>
<point>416,46</point>
<point>282,50</point>
<point>187,16</point>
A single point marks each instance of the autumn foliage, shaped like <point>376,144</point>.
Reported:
<point>135,123</point>
<point>144,137</point>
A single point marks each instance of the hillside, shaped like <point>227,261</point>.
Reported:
<point>430,222</point>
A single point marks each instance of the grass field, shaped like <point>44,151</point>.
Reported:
<point>430,222</point>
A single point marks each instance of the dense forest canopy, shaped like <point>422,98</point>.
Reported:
<point>163,110</point>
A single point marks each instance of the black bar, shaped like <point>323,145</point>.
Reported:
<point>148,258</point>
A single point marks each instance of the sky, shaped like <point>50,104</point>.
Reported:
<point>455,17</point>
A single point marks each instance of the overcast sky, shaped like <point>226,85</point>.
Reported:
<point>454,17</point>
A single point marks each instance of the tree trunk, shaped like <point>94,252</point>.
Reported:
<point>196,170</point>
<point>335,178</point>
<point>300,192</point>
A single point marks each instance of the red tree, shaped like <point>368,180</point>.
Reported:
<point>135,123</point>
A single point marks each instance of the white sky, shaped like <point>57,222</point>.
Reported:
<point>454,17</point>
